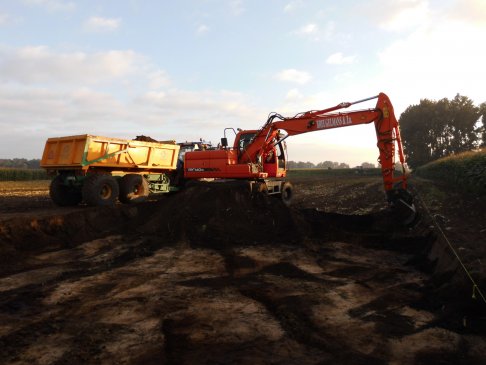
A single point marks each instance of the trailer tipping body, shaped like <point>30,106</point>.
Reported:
<point>98,170</point>
<point>87,152</point>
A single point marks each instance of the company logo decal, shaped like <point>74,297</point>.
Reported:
<point>201,169</point>
<point>333,122</point>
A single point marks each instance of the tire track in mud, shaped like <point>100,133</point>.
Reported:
<point>29,301</point>
<point>293,309</point>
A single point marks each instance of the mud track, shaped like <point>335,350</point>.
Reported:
<point>212,276</point>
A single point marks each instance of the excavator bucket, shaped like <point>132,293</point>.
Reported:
<point>401,202</point>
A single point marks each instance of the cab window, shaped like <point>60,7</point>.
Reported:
<point>244,140</point>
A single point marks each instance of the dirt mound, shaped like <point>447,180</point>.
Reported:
<point>223,215</point>
<point>24,236</point>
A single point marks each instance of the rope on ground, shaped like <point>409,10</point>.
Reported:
<point>475,288</point>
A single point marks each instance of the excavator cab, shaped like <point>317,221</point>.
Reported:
<point>243,139</point>
<point>274,160</point>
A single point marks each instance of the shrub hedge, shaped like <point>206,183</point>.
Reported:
<point>464,171</point>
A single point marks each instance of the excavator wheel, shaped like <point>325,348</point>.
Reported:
<point>260,188</point>
<point>259,192</point>
<point>287,193</point>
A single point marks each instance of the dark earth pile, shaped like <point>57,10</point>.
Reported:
<point>222,215</point>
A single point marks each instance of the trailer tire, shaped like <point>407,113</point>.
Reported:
<point>134,188</point>
<point>100,190</point>
<point>64,195</point>
<point>287,193</point>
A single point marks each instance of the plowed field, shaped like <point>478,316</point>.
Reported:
<point>211,275</point>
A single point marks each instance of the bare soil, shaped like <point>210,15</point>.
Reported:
<point>215,276</point>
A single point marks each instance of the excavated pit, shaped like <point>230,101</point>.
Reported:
<point>215,275</point>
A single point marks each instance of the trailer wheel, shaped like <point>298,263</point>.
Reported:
<point>287,193</point>
<point>64,195</point>
<point>133,189</point>
<point>100,190</point>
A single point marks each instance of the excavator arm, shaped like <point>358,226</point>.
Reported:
<point>383,117</point>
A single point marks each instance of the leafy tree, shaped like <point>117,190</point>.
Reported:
<point>327,165</point>
<point>481,129</point>
<point>368,165</point>
<point>461,124</point>
<point>320,165</point>
<point>434,129</point>
<point>20,163</point>
<point>300,165</point>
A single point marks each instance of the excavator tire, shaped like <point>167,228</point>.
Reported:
<point>64,195</point>
<point>287,193</point>
<point>100,190</point>
<point>259,193</point>
<point>260,188</point>
<point>134,188</point>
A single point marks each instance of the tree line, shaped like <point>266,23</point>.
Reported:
<point>436,129</point>
<point>20,163</point>
<point>325,165</point>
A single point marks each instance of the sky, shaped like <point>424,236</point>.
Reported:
<point>187,69</point>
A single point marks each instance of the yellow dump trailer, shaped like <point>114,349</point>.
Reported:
<point>99,170</point>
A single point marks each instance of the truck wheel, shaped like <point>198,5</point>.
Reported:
<point>133,189</point>
<point>100,190</point>
<point>64,195</point>
<point>287,193</point>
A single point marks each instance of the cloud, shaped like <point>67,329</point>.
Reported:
<point>339,59</point>
<point>46,93</point>
<point>211,108</point>
<point>202,29</point>
<point>53,5</point>
<point>397,15</point>
<point>237,7</point>
<point>4,18</point>
<point>343,77</point>
<point>408,15</point>
<point>308,29</point>
<point>99,24</point>
<point>292,6</point>
<point>314,32</point>
<point>293,94</point>
<point>40,64</point>
<point>435,62</point>
<point>293,75</point>
<point>158,79</point>
<point>39,113</point>
<point>469,11</point>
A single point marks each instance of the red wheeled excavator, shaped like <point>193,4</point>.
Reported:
<point>259,156</point>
